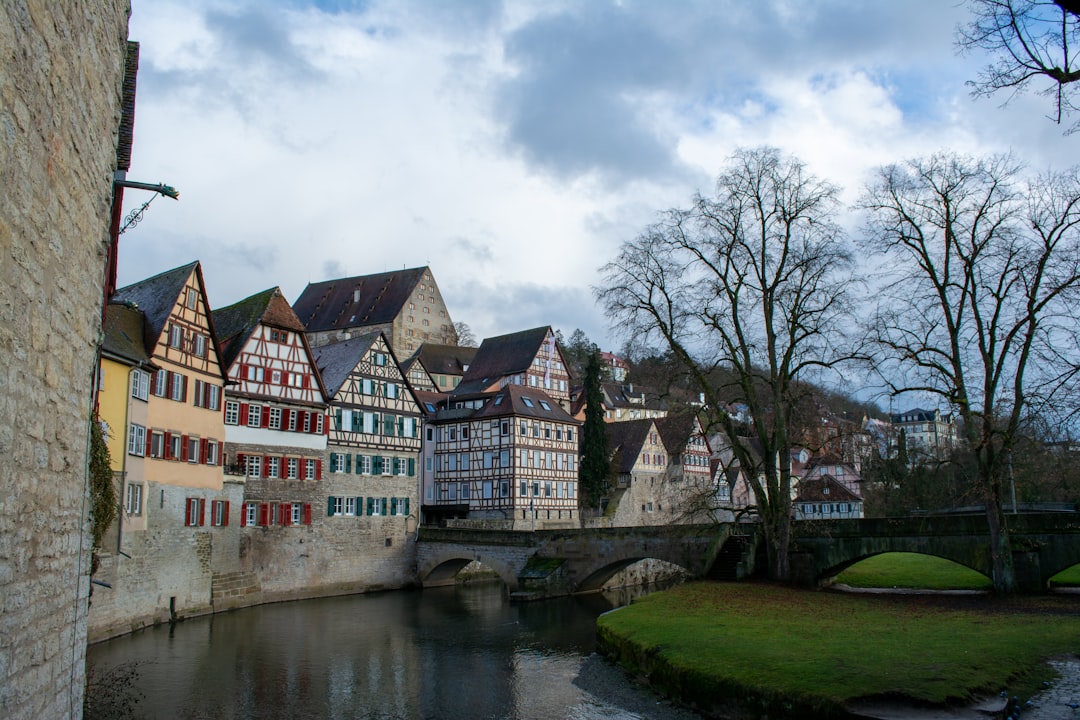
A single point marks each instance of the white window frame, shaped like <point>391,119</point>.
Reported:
<point>297,512</point>
<point>350,506</point>
<point>133,499</point>
<point>193,449</point>
<point>232,411</point>
<point>253,466</point>
<point>140,384</point>
<point>212,452</point>
<point>136,440</point>
<point>309,469</point>
<point>292,468</point>
<point>254,418</point>
<point>251,513</point>
<point>273,467</point>
<point>274,422</point>
<point>176,387</point>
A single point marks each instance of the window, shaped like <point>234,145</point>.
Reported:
<point>219,513</point>
<point>292,420</point>
<point>309,469</point>
<point>543,404</point>
<point>161,383</point>
<point>350,505</point>
<point>337,462</point>
<point>504,458</point>
<point>376,506</point>
<point>136,440</point>
<point>391,390</point>
<point>133,499</point>
<point>176,387</point>
<point>140,384</point>
<point>528,401</point>
<point>212,452</point>
<point>293,468</point>
<point>200,345</point>
<point>254,418</point>
<point>176,336</point>
<point>296,516</point>
<point>363,464</point>
<point>273,467</point>
<point>274,423</point>
<point>254,373</point>
<point>570,434</point>
<point>193,450</point>
<point>232,412</point>
<point>194,512</point>
<point>214,397</point>
<point>253,465</point>
<point>175,447</point>
<point>157,445</point>
<point>192,298</point>
<point>250,514</point>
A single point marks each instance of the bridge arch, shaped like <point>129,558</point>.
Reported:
<point>830,573</point>
<point>441,570</point>
<point>839,554</point>
<point>598,577</point>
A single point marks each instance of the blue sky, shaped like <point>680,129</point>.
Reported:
<point>514,145</point>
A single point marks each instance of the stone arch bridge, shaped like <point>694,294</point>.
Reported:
<point>548,563</point>
<point>1043,544</point>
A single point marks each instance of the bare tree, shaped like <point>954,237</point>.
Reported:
<point>982,266</point>
<point>1031,40</point>
<point>465,336</point>
<point>748,282</point>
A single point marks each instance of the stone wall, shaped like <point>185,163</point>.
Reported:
<point>60,80</point>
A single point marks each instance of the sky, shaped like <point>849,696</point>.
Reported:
<point>513,146</point>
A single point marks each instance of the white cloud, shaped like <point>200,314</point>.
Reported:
<point>514,146</point>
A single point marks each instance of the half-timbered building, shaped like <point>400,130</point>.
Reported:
<point>275,410</point>
<point>405,305</point>
<point>374,435</point>
<point>446,364</point>
<point>530,358</point>
<point>180,506</point>
<point>509,456</point>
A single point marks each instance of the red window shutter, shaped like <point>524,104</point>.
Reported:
<point>318,469</point>
<point>187,511</point>
<point>284,378</point>
<point>184,448</point>
<point>265,466</point>
<point>264,419</point>
<point>149,442</point>
<point>202,511</point>
<point>241,460</point>
<point>300,415</point>
<point>307,381</point>
<point>198,393</point>
<point>225,515</point>
<point>183,388</point>
<point>204,446</point>
<point>243,413</point>
<point>307,513</point>
<point>264,514</point>
<point>243,514</point>
<point>286,514</point>
<point>167,451</point>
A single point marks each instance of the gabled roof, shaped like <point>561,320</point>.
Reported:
<point>625,440</point>
<point>123,340</point>
<point>676,430</point>
<point>444,359</point>
<point>503,355</point>
<point>337,360</point>
<point>356,301</point>
<point>156,297</point>
<point>235,323</point>
<point>523,401</point>
<point>812,489</point>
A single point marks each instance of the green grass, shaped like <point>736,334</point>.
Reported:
<point>1069,577</point>
<point>824,649</point>
<point>912,570</point>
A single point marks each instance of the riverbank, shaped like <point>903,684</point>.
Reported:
<point>795,653</point>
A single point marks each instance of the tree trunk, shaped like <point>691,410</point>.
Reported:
<point>1003,574</point>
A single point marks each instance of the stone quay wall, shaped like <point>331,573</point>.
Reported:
<point>61,72</point>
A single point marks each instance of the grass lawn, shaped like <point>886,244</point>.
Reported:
<point>823,649</point>
<point>912,570</point>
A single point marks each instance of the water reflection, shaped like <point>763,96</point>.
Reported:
<point>443,653</point>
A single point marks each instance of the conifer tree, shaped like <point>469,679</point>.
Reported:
<point>595,463</point>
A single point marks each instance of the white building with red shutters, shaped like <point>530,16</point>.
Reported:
<point>275,411</point>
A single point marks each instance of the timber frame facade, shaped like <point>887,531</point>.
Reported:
<point>510,456</point>
<point>374,431</point>
<point>275,410</point>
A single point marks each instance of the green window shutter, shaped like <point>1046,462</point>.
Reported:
<point>396,465</point>
<point>359,463</point>
<point>348,463</point>
<point>393,506</point>
<point>412,467</point>
<point>370,505</point>
<point>377,465</point>
<point>406,506</point>
<point>329,506</point>
<point>333,458</point>
<point>386,506</point>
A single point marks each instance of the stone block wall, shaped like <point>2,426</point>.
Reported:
<point>60,88</point>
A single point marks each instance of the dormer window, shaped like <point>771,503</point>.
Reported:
<point>528,402</point>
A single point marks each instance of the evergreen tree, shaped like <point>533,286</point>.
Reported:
<point>595,463</point>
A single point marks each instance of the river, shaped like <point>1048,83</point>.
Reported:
<point>448,653</point>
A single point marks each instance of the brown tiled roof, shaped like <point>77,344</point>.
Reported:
<point>444,359</point>
<point>356,301</point>
<point>156,296</point>
<point>625,440</point>
<point>124,329</point>
<point>513,402</point>
<point>675,431</point>
<point>503,355</point>
<point>812,489</point>
<point>235,323</point>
